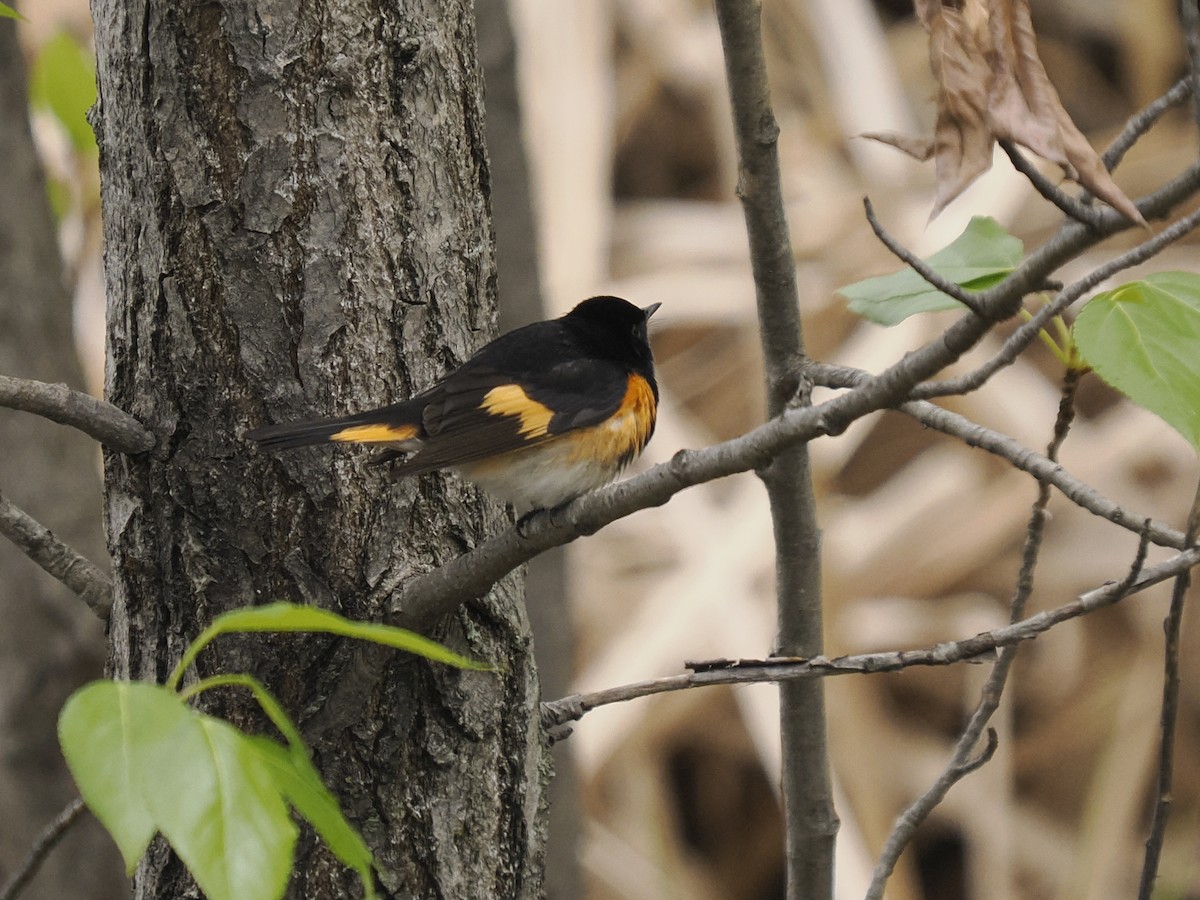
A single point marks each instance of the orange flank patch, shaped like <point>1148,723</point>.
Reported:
<point>511,400</point>
<point>375,434</point>
<point>625,434</point>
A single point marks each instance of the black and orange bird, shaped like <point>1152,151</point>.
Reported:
<point>539,416</point>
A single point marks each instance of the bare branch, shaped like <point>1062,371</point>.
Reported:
<point>1170,713</point>
<point>1081,212</point>
<point>1159,204</point>
<point>811,822</point>
<point>109,425</point>
<point>1016,344</point>
<point>922,268</point>
<point>37,542</point>
<point>47,841</point>
<point>906,824</point>
<point>961,762</point>
<point>713,672</point>
<point>1015,453</point>
<point>1143,121</point>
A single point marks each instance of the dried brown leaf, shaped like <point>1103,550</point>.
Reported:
<point>962,139</point>
<point>919,147</point>
<point>1026,109</point>
<point>1023,105</point>
<point>992,85</point>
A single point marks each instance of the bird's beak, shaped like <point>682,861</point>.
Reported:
<point>650,310</point>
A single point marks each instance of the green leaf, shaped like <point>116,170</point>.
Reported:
<point>7,12</point>
<point>279,617</point>
<point>214,799</point>
<point>299,782</point>
<point>198,780</point>
<point>63,80</point>
<point>94,731</point>
<point>1144,339</point>
<point>982,256</point>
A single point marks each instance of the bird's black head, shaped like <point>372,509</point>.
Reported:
<point>616,329</point>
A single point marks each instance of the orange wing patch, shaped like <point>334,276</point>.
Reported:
<point>375,434</point>
<point>511,400</point>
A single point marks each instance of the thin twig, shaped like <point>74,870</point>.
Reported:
<point>1016,344</point>
<point>714,672</point>
<point>1013,452</point>
<point>40,544</point>
<point>1169,715</point>
<point>1143,120</point>
<point>993,691</point>
<point>1158,204</point>
<point>922,268</point>
<point>46,842</point>
<point>1027,332</point>
<point>109,425</point>
<point>1073,238</point>
<point>1084,213</point>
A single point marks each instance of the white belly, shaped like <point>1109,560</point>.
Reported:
<point>540,477</point>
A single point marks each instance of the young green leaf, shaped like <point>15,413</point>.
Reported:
<point>277,617</point>
<point>63,79</point>
<point>94,730</point>
<point>145,762</point>
<point>219,806</point>
<point>977,259</point>
<point>7,12</point>
<point>1143,338</point>
<point>299,782</point>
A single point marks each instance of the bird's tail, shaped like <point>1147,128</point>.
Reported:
<point>396,424</point>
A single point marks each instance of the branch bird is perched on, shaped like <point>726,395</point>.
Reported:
<point>538,416</point>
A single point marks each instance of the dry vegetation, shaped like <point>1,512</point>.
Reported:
<point>628,127</point>
<point>922,535</point>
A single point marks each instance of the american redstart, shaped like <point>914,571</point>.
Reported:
<point>539,416</point>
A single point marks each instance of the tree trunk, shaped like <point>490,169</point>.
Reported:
<point>296,224</point>
<point>50,642</point>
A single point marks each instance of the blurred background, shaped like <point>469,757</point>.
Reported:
<point>625,137</point>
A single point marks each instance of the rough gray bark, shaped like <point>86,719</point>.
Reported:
<point>50,642</point>
<point>296,223</point>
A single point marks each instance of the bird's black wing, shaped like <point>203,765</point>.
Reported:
<point>481,411</point>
